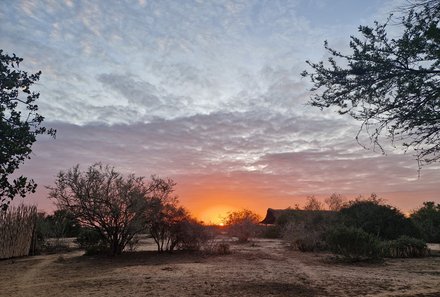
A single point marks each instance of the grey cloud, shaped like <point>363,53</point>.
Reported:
<point>269,152</point>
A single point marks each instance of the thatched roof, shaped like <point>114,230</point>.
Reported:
<point>273,214</point>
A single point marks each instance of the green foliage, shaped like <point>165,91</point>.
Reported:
<point>390,84</point>
<point>20,124</point>
<point>383,221</point>
<point>353,243</point>
<point>427,219</point>
<point>242,224</point>
<point>404,247</point>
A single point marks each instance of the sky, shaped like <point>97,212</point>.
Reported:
<point>208,93</point>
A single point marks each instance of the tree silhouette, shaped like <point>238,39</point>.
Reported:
<point>20,124</point>
<point>392,85</point>
<point>102,199</point>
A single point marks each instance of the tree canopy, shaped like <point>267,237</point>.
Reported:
<point>102,199</point>
<point>427,218</point>
<point>20,123</point>
<point>392,85</point>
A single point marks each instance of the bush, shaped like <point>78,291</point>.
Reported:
<point>271,232</point>
<point>192,235</point>
<point>383,221</point>
<point>242,224</point>
<point>92,242</point>
<point>404,247</point>
<point>213,247</point>
<point>303,237</point>
<point>427,219</point>
<point>353,243</point>
<point>305,230</point>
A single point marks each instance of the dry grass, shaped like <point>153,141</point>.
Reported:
<point>16,228</point>
<point>261,268</point>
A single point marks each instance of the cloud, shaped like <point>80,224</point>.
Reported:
<point>273,154</point>
<point>208,92</point>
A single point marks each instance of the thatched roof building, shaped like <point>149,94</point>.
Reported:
<point>273,215</point>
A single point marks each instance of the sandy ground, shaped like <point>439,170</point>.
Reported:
<point>262,268</point>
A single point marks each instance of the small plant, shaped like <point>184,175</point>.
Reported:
<point>404,247</point>
<point>353,243</point>
<point>213,247</point>
<point>133,244</point>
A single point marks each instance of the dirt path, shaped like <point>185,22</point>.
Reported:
<point>262,268</point>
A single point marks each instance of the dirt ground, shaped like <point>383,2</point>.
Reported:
<point>262,268</point>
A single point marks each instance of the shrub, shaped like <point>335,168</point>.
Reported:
<point>213,247</point>
<point>301,236</point>
<point>305,230</point>
<point>192,235</point>
<point>353,243</point>
<point>404,247</point>
<point>242,224</point>
<point>383,221</point>
<point>427,219</point>
<point>92,242</point>
<point>271,232</point>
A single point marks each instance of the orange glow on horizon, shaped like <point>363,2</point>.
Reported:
<point>215,215</point>
<point>211,198</point>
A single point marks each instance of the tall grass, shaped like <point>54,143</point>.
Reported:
<point>17,226</point>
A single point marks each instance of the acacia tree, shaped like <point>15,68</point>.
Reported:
<point>102,199</point>
<point>20,124</point>
<point>165,217</point>
<point>392,85</point>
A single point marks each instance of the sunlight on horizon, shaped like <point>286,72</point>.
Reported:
<point>215,215</point>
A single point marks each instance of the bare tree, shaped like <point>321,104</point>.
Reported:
<point>335,202</point>
<point>166,219</point>
<point>313,204</point>
<point>102,199</point>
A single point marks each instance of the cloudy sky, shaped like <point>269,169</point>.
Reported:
<point>206,92</point>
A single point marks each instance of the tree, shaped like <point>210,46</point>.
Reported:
<point>313,204</point>
<point>63,223</point>
<point>391,85</point>
<point>335,202</point>
<point>20,124</point>
<point>165,217</point>
<point>383,221</point>
<point>242,224</point>
<point>102,199</point>
<point>427,218</point>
